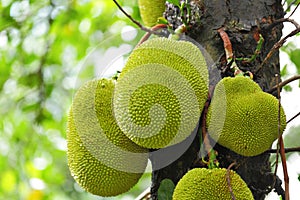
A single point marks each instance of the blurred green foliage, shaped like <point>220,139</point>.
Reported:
<point>45,49</point>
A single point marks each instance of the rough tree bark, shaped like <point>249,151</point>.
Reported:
<point>242,21</point>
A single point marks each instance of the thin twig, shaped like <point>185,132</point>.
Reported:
<point>286,150</point>
<point>277,46</point>
<point>276,163</point>
<point>293,118</point>
<point>228,180</point>
<point>133,20</point>
<point>294,9</point>
<point>289,6</point>
<point>287,81</point>
<point>148,34</point>
<point>285,171</point>
<point>281,145</point>
<point>279,21</point>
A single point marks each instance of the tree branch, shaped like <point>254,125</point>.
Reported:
<point>293,118</point>
<point>294,9</point>
<point>281,147</point>
<point>285,170</point>
<point>228,180</point>
<point>283,40</point>
<point>280,42</point>
<point>148,34</point>
<point>287,81</point>
<point>133,20</point>
<point>286,150</point>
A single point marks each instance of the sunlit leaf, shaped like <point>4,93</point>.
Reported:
<point>284,71</point>
<point>288,88</point>
<point>162,20</point>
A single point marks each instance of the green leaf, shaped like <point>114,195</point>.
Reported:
<point>299,177</point>
<point>292,2</point>
<point>175,2</point>
<point>288,88</point>
<point>295,55</point>
<point>166,189</point>
<point>284,70</point>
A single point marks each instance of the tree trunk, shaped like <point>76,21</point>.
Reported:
<point>242,21</point>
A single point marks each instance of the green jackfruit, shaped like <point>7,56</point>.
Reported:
<point>101,158</point>
<point>243,118</point>
<point>151,11</point>
<point>211,184</point>
<point>161,92</point>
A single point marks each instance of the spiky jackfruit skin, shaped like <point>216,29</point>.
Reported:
<point>101,158</point>
<point>160,93</point>
<point>243,118</point>
<point>211,184</point>
<point>151,10</point>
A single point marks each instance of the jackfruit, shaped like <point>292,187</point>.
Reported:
<point>161,92</point>
<point>151,10</point>
<point>211,184</point>
<point>243,118</point>
<point>101,158</point>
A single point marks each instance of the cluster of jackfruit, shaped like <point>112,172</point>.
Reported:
<point>156,102</point>
<point>151,10</point>
<point>243,118</point>
<point>211,184</point>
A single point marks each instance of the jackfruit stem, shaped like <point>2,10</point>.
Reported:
<point>147,35</point>
<point>178,32</point>
<point>229,181</point>
<point>213,162</point>
<point>238,72</point>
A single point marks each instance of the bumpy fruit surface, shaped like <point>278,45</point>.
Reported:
<point>101,158</point>
<point>211,184</point>
<point>151,11</point>
<point>161,92</point>
<point>243,118</point>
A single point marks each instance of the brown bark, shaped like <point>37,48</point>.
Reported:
<point>242,21</point>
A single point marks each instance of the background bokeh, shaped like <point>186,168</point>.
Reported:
<point>48,48</point>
